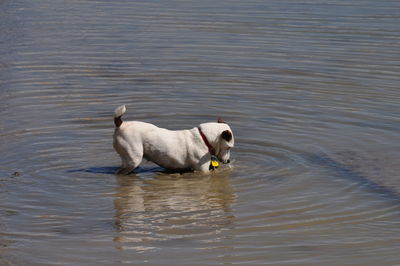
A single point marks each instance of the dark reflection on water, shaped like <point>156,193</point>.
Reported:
<point>310,89</point>
<point>96,170</point>
<point>112,170</point>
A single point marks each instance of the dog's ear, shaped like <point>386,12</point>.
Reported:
<point>220,120</point>
<point>227,135</point>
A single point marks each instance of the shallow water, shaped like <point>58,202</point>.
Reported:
<point>310,89</point>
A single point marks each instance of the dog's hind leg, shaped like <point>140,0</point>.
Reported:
<point>124,169</point>
<point>131,158</point>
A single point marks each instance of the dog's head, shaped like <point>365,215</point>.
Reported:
<point>221,139</point>
<point>223,150</point>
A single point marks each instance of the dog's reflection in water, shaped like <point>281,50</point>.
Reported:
<point>171,206</point>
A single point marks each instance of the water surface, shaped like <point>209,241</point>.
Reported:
<point>310,89</point>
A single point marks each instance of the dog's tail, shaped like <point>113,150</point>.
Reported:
<point>119,111</point>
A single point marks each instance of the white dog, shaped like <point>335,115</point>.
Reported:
<point>192,149</point>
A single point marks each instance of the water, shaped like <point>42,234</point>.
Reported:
<point>310,89</point>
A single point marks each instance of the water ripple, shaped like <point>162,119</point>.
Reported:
<point>310,90</point>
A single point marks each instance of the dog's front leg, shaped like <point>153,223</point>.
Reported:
<point>204,167</point>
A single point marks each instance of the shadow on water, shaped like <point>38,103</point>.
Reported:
<point>347,172</point>
<point>141,169</point>
<point>112,170</point>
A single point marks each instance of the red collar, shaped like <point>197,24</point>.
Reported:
<point>210,148</point>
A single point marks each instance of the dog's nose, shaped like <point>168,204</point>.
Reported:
<point>228,161</point>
